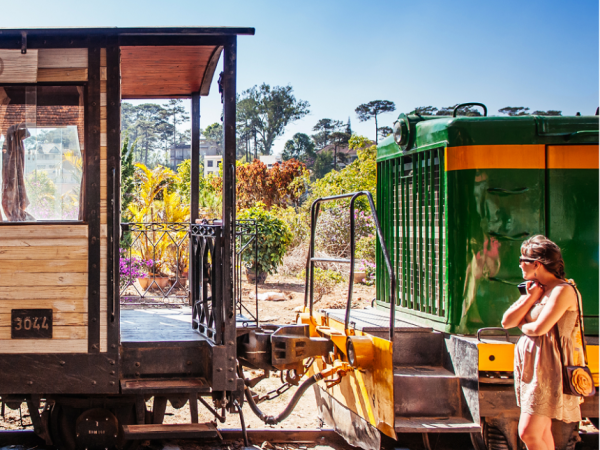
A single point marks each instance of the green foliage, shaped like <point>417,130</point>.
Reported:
<point>365,248</point>
<point>324,281</point>
<point>273,239</point>
<point>324,129</point>
<point>127,179</point>
<point>264,112</point>
<point>296,222</point>
<point>148,125</point>
<point>550,112</point>
<point>215,132</point>
<point>371,110</point>
<point>360,175</point>
<point>514,111</point>
<point>323,164</point>
<point>300,147</point>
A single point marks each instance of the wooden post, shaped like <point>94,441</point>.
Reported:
<point>229,129</point>
<point>195,156</point>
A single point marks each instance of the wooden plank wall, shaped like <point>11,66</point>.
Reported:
<point>46,64</point>
<point>103,206</point>
<point>45,266</point>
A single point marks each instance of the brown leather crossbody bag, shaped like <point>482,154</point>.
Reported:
<point>577,380</point>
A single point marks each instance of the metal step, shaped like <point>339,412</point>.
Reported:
<point>163,386</point>
<point>435,425</point>
<point>170,431</point>
<point>413,348</point>
<point>423,391</point>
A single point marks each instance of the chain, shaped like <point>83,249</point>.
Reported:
<point>281,389</point>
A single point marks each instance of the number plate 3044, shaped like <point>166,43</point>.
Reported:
<point>31,324</point>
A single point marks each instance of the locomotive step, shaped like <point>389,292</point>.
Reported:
<point>164,386</point>
<point>415,386</point>
<point>435,425</point>
<point>422,371</point>
<point>170,431</point>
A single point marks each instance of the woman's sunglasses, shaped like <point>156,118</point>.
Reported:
<point>527,260</point>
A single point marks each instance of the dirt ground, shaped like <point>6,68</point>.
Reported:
<point>304,415</point>
<point>293,288</point>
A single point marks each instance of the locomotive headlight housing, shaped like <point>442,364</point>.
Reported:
<point>401,131</point>
<point>360,352</point>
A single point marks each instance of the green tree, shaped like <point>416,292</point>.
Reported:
<point>550,112</point>
<point>385,132</point>
<point>324,128</point>
<point>184,180</point>
<point>267,111</point>
<point>177,114</point>
<point>514,111</point>
<point>127,179</point>
<point>425,110</point>
<point>462,111</point>
<point>214,132</point>
<point>371,110</point>
<point>323,164</point>
<point>300,147</point>
<point>338,139</point>
<point>148,125</point>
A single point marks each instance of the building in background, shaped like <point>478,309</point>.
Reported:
<point>270,160</point>
<point>212,164</point>
<point>180,152</point>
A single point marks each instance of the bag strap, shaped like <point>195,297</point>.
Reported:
<point>579,314</point>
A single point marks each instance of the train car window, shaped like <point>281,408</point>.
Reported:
<point>42,141</point>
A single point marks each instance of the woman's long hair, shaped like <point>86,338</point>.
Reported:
<point>547,253</point>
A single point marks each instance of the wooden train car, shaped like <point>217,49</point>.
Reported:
<point>64,346</point>
<point>456,197</point>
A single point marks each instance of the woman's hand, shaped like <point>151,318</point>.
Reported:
<point>514,316</point>
<point>534,289</point>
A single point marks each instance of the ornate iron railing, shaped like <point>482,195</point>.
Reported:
<point>246,255</point>
<point>154,263</point>
<point>206,281</point>
<point>207,307</point>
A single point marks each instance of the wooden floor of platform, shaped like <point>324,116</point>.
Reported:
<point>163,325</point>
<point>158,325</point>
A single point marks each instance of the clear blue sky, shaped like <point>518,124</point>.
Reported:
<point>339,54</point>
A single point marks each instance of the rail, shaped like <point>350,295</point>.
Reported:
<point>154,263</point>
<point>309,283</point>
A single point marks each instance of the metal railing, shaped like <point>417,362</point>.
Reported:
<point>208,309</point>
<point>310,266</point>
<point>154,261</point>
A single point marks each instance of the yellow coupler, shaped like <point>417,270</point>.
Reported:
<point>367,388</point>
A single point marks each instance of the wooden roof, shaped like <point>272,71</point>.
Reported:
<point>167,71</point>
<point>156,62</point>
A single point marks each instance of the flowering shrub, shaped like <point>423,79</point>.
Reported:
<point>132,268</point>
<point>369,269</point>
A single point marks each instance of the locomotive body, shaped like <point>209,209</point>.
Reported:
<point>456,197</point>
<point>503,179</point>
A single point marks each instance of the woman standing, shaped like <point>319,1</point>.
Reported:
<point>550,300</point>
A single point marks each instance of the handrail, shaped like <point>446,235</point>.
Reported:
<point>308,287</point>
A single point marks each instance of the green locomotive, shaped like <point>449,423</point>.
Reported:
<point>503,179</point>
<point>456,197</point>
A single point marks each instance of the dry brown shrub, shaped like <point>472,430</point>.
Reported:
<point>294,262</point>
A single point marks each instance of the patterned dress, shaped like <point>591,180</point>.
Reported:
<point>538,370</point>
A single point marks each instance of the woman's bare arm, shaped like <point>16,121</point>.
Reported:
<point>561,299</point>
<point>519,309</point>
